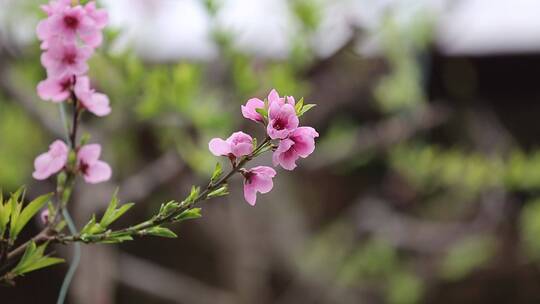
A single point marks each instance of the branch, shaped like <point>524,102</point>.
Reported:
<point>138,230</point>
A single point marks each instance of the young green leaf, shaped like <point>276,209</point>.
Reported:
<point>161,231</point>
<point>168,207</point>
<point>15,203</point>
<point>305,109</point>
<point>112,214</point>
<point>5,213</point>
<point>109,212</point>
<point>193,194</point>
<point>298,106</point>
<point>189,214</point>
<point>92,227</point>
<point>28,212</point>
<point>34,259</point>
<point>221,191</point>
<point>217,173</point>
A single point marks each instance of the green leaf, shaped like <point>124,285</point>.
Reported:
<point>92,227</point>
<point>306,108</point>
<point>29,212</point>
<point>34,259</point>
<point>221,191</point>
<point>15,202</point>
<point>263,112</point>
<point>5,212</point>
<point>189,214</point>
<point>193,194</point>
<point>161,231</point>
<point>254,143</point>
<point>298,106</point>
<point>28,253</point>
<point>109,213</point>
<point>168,207</point>
<point>112,214</point>
<point>217,173</point>
<point>42,263</point>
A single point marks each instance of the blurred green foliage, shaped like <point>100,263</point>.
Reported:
<point>530,229</point>
<point>466,256</point>
<point>403,46</point>
<point>430,168</point>
<point>16,151</point>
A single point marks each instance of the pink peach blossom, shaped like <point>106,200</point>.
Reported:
<point>282,120</point>
<point>257,179</point>
<point>237,145</point>
<point>249,110</point>
<point>67,24</point>
<point>52,161</point>
<point>55,89</point>
<point>63,59</point>
<point>96,103</point>
<point>93,170</point>
<point>300,143</point>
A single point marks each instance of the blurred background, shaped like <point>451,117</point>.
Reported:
<point>424,187</point>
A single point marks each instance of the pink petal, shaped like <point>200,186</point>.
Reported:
<point>98,172</point>
<point>93,39</point>
<point>291,101</point>
<point>249,110</point>
<point>242,149</point>
<point>240,144</point>
<point>287,159</point>
<point>250,194</point>
<point>51,89</point>
<point>41,167</point>
<point>52,161</point>
<point>304,138</point>
<point>263,183</point>
<point>89,154</point>
<point>264,170</point>
<point>99,104</point>
<point>219,147</point>
<point>82,87</point>
<point>273,97</point>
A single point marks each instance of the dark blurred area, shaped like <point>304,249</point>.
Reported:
<point>424,186</point>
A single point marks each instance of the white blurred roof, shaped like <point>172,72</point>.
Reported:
<point>172,29</point>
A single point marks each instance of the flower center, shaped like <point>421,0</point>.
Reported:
<point>71,22</point>
<point>83,167</point>
<point>66,84</point>
<point>248,175</point>
<point>279,124</point>
<point>69,58</point>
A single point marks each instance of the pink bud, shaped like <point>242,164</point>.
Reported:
<point>237,145</point>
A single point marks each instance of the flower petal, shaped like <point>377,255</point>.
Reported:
<point>89,154</point>
<point>219,147</point>
<point>98,172</point>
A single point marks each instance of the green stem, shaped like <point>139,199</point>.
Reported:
<point>74,263</point>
